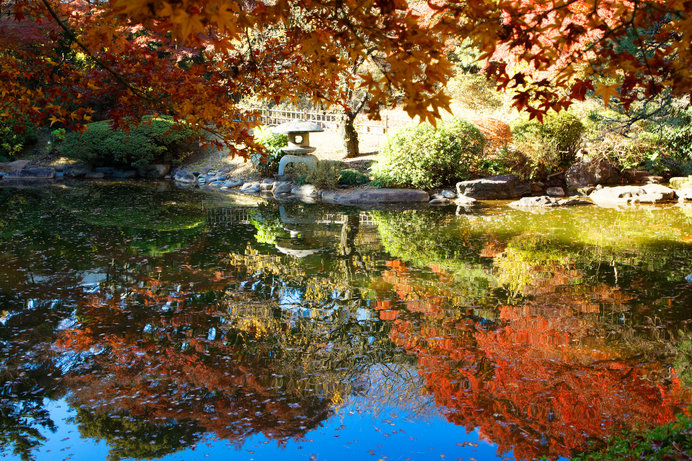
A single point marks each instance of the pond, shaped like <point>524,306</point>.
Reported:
<point>139,321</point>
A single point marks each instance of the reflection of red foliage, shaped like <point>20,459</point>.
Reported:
<point>542,384</point>
<point>175,370</point>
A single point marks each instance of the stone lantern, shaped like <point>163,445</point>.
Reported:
<point>298,149</point>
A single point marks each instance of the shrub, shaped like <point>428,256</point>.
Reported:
<point>425,157</point>
<point>155,140</point>
<point>552,144</point>
<point>677,139</point>
<point>351,177</point>
<point>325,175</point>
<point>266,162</point>
<point>498,135</point>
<point>14,136</point>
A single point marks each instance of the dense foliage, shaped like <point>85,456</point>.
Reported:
<point>351,177</point>
<point>427,157</point>
<point>266,159</point>
<point>156,140</point>
<point>14,136</point>
<point>553,143</point>
<point>65,61</point>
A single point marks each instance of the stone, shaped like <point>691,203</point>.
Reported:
<point>556,179</point>
<point>76,171</point>
<point>537,188</point>
<point>108,171</point>
<point>250,188</point>
<point>681,182</point>
<point>94,175</point>
<point>440,201</point>
<point>266,186</point>
<point>307,190</point>
<point>494,188</point>
<point>585,191</point>
<point>652,179</point>
<point>545,201</point>
<point>555,192</point>
<point>232,183</point>
<point>124,174</point>
<point>463,200</point>
<point>282,187</point>
<point>153,171</point>
<point>623,195</point>
<point>31,173</point>
<point>6,167</point>
<point>224,170</point>
<point>684,195</point>
<point>450,194</point>
<point>542,201</point>
<point>573,201</point>
<point>308,159</point>
<point>592,172</point>
<point>372,196</point>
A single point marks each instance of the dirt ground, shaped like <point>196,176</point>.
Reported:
<point>328,146</point>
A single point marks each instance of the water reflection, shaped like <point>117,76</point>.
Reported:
<point>164,317</point>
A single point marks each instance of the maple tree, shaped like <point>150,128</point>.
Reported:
<point>198,60</point>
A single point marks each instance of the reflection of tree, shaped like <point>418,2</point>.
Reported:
<point>161,358</point>
<point>28,375</point>
<point>537,381</point>
<point>137,438</point>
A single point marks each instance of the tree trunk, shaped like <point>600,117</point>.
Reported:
<point>350,136</point>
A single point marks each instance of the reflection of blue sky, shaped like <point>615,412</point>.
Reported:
<point>352,433</point>
<point>390,419</point>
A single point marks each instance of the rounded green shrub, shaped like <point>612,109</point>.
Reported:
<point>560,133</point>
<point>351,177</point>
<point>267,160</point>
<point>156,140</point>
<point>427,157</point>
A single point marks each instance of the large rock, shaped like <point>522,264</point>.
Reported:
<point>555,191</point>
<point>250,187</point>
<point>465,201</point>
<point>684,195</point>
<point>282,187</point>
<point>233,183</point>
<point>681,182</point>
<point>503,187</point>
<point>153,171</point>
<point>7,167</point>
<point>124,174</point>
<point>184,177</point>
<point>31,173</point>
<point>545,201</point>
<point>95,175</point>
<point>592,172</point>
<point>623,195</point>
<point>307,190</point>
<point>367,196</point>
<point>76,171</point>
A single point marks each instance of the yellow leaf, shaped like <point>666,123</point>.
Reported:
<point>606,92</point>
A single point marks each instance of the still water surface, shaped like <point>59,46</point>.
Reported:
<point>143,322</point>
